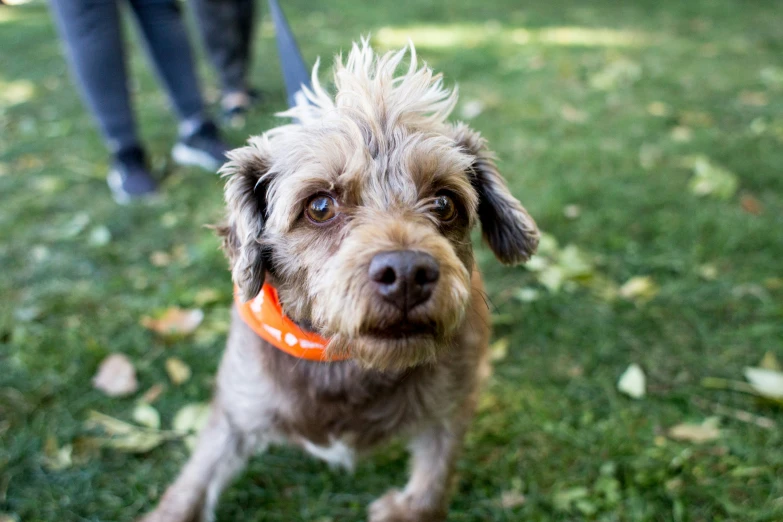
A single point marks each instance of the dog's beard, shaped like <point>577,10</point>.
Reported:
<point>388,341</point>
<point>388,354</point>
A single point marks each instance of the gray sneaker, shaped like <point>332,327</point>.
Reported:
<point>129,179</point>
<point>203,148</point>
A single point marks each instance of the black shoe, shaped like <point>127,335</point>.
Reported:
<point>129,177</point>
<point>203,148</point>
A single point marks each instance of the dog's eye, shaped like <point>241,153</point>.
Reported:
<point>321,208</point>
<point>444,208</point>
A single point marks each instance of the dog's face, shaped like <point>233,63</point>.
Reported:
<point>361,213</point>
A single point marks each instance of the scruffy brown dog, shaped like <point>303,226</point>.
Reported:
<point>359,217</point>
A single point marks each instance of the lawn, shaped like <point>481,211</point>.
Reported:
<point>645,137</point>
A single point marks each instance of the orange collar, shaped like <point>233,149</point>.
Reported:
<point>265,316</point>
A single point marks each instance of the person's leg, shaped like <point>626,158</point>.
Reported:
<point>167,42</point>
<point>92,34</point>
<point>227,30</point>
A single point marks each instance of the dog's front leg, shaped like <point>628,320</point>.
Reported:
<point>425,497</point>
<point>221,452</point>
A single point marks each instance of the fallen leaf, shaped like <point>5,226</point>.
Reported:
<point>572,211</point>
<point>512,499</point>
<point>527,295</point>
<point>178,371</point>
<point>56,458</point>
<point>147,416</point>
<point>160,258</point>
<point>707,271</point>
<point>751,205</point>
<point>190,420</point>
<point>137,441</point>
<point>767,383</point>
<point>633,382</point>
<point>174,321</point>
<point>639,288</point>
<point>152,394</point>
<point>126,437</point>
<point>99,236</point>
<point>697,433</point>
<point>564,499</point>
<point>108,424</point>
<point>116,376</point>
<point>681,134</point>
<point>712,180</point>
<point>557,268</point>
<point>191,417</point>
<point>499,349</point>
<point>658,109</point>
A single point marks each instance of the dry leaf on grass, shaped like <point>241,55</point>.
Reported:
<point>697,433</point>
<point>160,258</point>
<point>751,205</point>
<point>123,436</point>
<point>557,268</point>
<point>174,321</point>
<point>499,349</point>
<point>190,420</point>
<point>116,376</point>
<point>512,499</point>
<point>639,288</point>
<point>178,371</point>
<point>767,383</point>
<point>56,458</point>
<point>152,394</point>
<point>147,416</point>
<point>633,382</point>
<point>711,180</point>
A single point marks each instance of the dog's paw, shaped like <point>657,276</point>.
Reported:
<point>396,506</point>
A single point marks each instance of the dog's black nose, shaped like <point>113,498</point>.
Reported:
<point>404,278</point>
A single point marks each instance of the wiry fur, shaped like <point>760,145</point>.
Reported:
<point>383,149</point>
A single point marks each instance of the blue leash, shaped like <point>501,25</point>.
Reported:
<point>295,72</point>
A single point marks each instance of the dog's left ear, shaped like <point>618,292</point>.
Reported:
<point>507,227</point>
<point>245,194</point>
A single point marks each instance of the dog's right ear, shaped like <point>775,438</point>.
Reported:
<point>245,193</point>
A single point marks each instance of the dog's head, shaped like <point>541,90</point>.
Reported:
<point>360,213</point>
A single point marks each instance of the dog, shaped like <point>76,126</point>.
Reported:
<point>359,313</point>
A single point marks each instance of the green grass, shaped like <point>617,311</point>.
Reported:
<point>552,420</point>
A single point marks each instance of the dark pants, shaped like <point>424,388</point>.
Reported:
<point>227,29</point>
<point>92,33</point>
